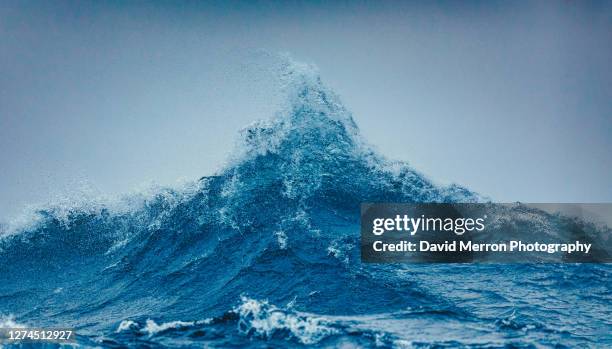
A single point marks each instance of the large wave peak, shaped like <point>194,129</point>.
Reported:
<point>280,221</point>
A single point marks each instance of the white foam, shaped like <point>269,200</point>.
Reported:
<point>126,325</point>
<point>265,319</point>
<point>151,327</point>
<point>8,321</point>
<point>281,237</point>
<point>86,200</point>
<point>339,250</point>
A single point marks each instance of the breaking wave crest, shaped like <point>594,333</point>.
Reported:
<point>279,223</point>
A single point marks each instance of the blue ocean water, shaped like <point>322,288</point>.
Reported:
<point>265,254</point>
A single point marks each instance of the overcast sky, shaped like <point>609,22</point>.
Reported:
<point>512,100</point>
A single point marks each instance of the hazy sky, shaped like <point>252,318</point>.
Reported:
<point>513,100</point>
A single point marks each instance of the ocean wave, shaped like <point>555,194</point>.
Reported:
<point>279,223</point>
<point>260,321</point>
<point>259,318</point>
<point>8,321</point>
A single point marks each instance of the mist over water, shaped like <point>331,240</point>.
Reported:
<point>509,99</point>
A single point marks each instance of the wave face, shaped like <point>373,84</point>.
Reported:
<point>266,254</point>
